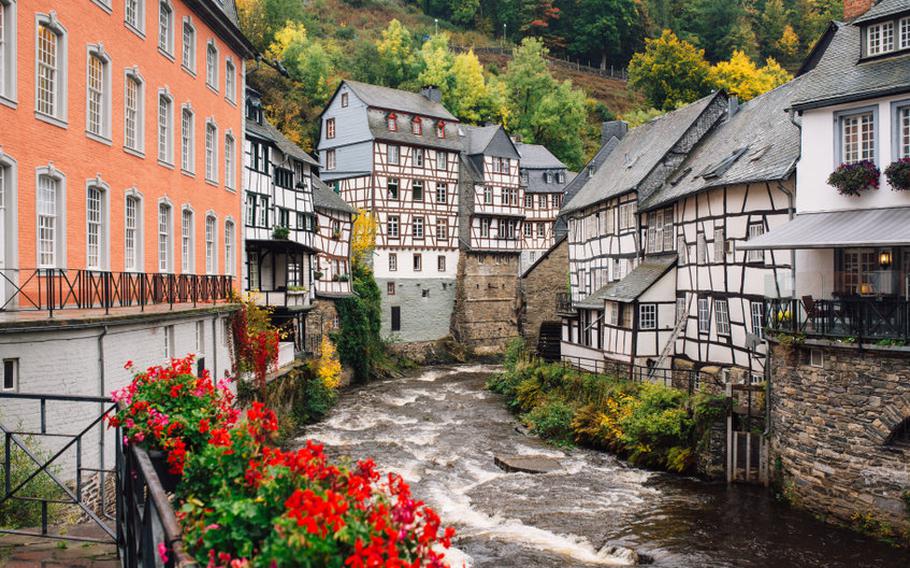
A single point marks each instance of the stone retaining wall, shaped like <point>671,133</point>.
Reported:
<point>830,428</point>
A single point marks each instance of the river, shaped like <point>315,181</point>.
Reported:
<point>439,428</point>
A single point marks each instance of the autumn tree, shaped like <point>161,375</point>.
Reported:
<point>669,72</point>
<point>467,98</point>
<point>363,236</point>
<point>435,62</point>
<point>741,77</point>
<point>397,55</point>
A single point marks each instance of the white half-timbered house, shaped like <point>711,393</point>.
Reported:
<point>279,221</point>
<point>544,179</point>
<point>335,221</point>
<point>396,154</point>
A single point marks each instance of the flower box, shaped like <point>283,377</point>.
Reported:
<point>898,174</point>
<point>853,179</point>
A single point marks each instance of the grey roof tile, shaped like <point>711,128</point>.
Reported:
<point>884,9</point>
<point>269,132</point>
<point>324,197</point>
<point>380,130</point>
<point>634,284</point>
<point>574,185</point>
<point>536,162</point>
<point>397,99</point>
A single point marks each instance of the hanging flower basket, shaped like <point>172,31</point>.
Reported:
<point>853,179</point>
<point>898,174</point>
<point>281,233</point>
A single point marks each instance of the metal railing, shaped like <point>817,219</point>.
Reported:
<point>690,380</point>
<point>857,318</point>
<point>53,289</point>
<point>564,303</point>
<point>612,72</point>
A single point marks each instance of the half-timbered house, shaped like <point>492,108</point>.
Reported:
<point>396,153</point>
<point>544,179</point>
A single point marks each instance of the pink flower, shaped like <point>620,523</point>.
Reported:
<point>162,552</point>
<point>128,365</point>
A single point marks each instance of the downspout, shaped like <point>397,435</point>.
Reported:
<point>214,349</point>
<point>102,387</point>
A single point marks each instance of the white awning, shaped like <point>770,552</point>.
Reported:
<point>838,229</point>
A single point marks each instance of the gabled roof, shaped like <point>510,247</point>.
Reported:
<point>577,181</point>
<point>638,153</point>
<point>884,9</point>
<point>840,77</point>
<point>269,132</point>
<point>221,15</point>
<point>537,157</point>
<point>324,197</point>
<point>491,140</point>
<point>559,240</point>
<point>758,143</point>
<point>388,98</point>
<point>633,285</point>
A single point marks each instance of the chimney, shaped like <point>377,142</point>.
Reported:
<point>856,8</point>
<point>432,93</point>
<point>732,106</point>
<point>611,128</point>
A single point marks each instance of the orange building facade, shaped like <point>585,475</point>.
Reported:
<point>121,137</point>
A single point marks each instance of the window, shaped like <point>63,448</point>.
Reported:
<point>417,227</point>
<point>681,309</point>
<point>719,250</point>
<point>394,154</point>
<point>390,288</point>
<point>442,229</point>
<point>527,230</point>
<point>541,230</point>
<point>440,129</point>
<point>722,317</point>
<point>701,249</point>
<point>755,230</point>
<point>49,226</point>
<point>263,211</point>
<point>344,100</point>
<point>441,160</point>
<point>50,79</point>
<point>189,46</point>
<point>229,172</point>
<point>186,242</point>
<point>187,153</point>
<point>904,33</point>
<point>98,94</point>
<point>758,318</point>
<point>7,50</point>
<point>392,226</point>
<point>169,341</point>
<point>682,249</point>
<point>393,262</point>
<point>165,27</point>
<point>417,190</point>
<point>626,216</point>
<point>704,316</point>
<point>417,126</point>
<point>857,137</point>
<point>485,227</point>
<point>330,159</point>
<point>94,217</point>
<point>211,65</point>
<point>134,14</point>
<point>902,127</point>
<point>200,338</point>
<point>396,318</point>
<point>164,238</point>
<point>330,128</point>
<point>230,81</point>
<point>133,119</point>
<point>211,262</point>
<point>10,374</point>
<point>392,122</point>
<point>647,316</point>
<point>817,358</point>
<point>488,195</point>
<point>211,157</point>
<point>418,157</point>
<point>880,38</point>
<point>165,145</point>
<point>556,200</point>
<point>441,263</point>
<point>392,185</point>
<point>132,238</point>
<point>529,201</point>
<point>418,262</point>
<point>441,193</point>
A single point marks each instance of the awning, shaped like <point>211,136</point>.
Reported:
<point>838,229</point>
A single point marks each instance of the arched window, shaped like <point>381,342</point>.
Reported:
<point>50,68</point>
<point>211,65</point>
<point>417,126</point>
<point>8,50</point>
<point>96,225</point>
<point>98,94</point>
<point>392,122</point>
<point>211,152</point>
<point>166,27</point>
<point>51,213</point>
<point>189,45</point>
<point>900,436</point>
<point>165,263</point>
<point>187,140</point>
<point>165,128</point>
<point>134,112</point>
<point>229,172</point>
<point>134,15</point>
<point>187,244</point>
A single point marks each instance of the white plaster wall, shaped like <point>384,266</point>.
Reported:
<point>406,264</point>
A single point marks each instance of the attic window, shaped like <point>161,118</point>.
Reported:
<point>441,129</point>
<point>417,126</point>
<point>721,168</point>
<point>548,177</point>
<point>560,177</point>
<point>590,171</point>
<point>879,38</point>
<point>392,122</point>
<point>344,100</point>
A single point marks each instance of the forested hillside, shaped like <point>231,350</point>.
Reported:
<point>677,51</point>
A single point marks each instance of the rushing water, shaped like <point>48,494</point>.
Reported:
<point>440,429</point>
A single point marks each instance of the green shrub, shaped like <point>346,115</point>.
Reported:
<point>552,420</point>
<point>515,352</point>
<point>313,400</point>
<point>15,513</point>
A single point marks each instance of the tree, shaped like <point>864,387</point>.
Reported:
<point>463,11</point>
<point>528,79</point>
<point>771,25</point>
<point>557,121</point>
<point>261,19</point>
<point>788,47</point>
<point>714,23</point>
<point>397,58</point>
<point>468,93</point>
<point>741,77</point>
<point>435,62</point>
<point>307,61</point>
<point>607,29</point>
<point>538,18</point>
<point>363,236</point>
<point>669,72</point>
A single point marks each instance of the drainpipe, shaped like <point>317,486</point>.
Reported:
<point>214,349</point>
<point>102,387</point>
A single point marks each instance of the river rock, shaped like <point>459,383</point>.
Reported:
<point>527,464</point>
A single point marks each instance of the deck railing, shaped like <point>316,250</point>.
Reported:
<point>53,289</point>
<point>564,303</point>
<point>860,319</point>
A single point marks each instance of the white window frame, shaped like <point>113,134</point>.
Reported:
<point>853,118</point>
<point>417,261</point>
<point>704,315</point>
<point>187,139</point>
<point>14,365</point>
<point>230,80</point>
<point>99,228</point>
<point>757,313</point>
<point>211,243</point>
<point>393,224</point>
<point>900,126</point>
<point>627,216</point>
<point>164,226</point>
<point>418,157</point>
<point>137,26</point>
<point>330,162</point>
<point>58,258</point>
<point>132,76</point>
<point>187,240</point>
<point>57,115</point>
<point>393,262</point>
<point>681,308</point>
<point>330,128</point>
<point>165,39</point>
<point>188,48</point>
<point>444,188</point>
<point>417,227</point>
<point>132,195</point>
<point>903,33</point>
<point>230,168</point>
<point>165,128</point>
<point>230,237</point>
<point>100,130</point>
<point>394,150</point>
<point>211,151</point>
<point>722,316</point>
<point>817,358</point>
<point>647,317</point>
<point>755,230</point>
<point>211,65</point>
<point>8,52</point>
<point>442,160</point>
<point>879,38</point>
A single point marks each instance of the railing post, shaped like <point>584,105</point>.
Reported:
<point>51,300</point>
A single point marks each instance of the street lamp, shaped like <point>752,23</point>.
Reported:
<point>503,34</point>
<point>436,24</point>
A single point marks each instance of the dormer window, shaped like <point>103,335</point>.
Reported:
<point>416,126</point>
<point>548,177</point>
<point>392,122</point>
<point>441,129</point>
<point>904,34</point>
<point>560,177</point>
<point>879,38</point>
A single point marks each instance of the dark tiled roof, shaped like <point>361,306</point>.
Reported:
<point>489,140</point>
<point>397,99</point>
<point>634,284</point>
<point>839,76</point>
<point>759,143</point>
<point>324,197</point>
<point>536,156</point>
<point>637,154</point>
<point>884,9</point>
<point>380,130</point>
<point>574,185</point>
<point>269,132</point>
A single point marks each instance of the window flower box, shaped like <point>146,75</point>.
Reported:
<point>280,233</point>
<point>898,174</point>
<point>853,179</point>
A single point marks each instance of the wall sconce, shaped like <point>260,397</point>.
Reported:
<point>885,258</point>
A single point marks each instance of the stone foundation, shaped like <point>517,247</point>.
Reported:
<point>485,317</point>
<point>539,288</point>
<point>832,414</point>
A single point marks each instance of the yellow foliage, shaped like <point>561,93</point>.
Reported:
<point>329,367</point>
<point>363,235</point>
<point>740,76</point>
<point>292,33</point>
<point>253,22</point>
<point>789,42</point>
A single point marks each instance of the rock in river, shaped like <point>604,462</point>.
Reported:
<point>527,464</point>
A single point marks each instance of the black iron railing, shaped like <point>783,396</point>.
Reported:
<point>564,303</point>
<point>53,289</point>
<point>857,318</point>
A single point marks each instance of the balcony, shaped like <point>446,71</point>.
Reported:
<point>292,299</point>
<point>856,319</point>
<point>564,304</point>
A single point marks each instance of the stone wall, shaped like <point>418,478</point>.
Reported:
<point>830,430</point>
<point>539,288</point>
<point>486,301</point>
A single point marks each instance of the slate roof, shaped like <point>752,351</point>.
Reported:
<point>380,130</point>
<point>269,132</point>
<point>397,99</point>
<point>839,76</point>
<point>759,143</point>
<point>884,9</point>
<point>637,154</point>
<point>634,284</point>
<point>324,197</point>
<point>537,157</point>
<point>489,140</point>
<point>574,185</point>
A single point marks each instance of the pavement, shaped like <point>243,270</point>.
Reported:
<point>17,551</point>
